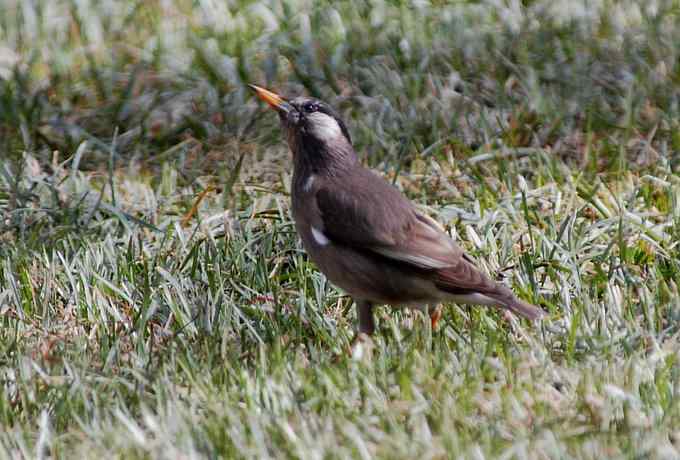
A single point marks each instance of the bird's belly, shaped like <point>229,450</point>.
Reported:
<point>369,277</point>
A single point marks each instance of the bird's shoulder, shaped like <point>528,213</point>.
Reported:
<point>365,189</point>
<point>363,208</point>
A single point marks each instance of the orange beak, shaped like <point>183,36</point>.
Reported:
<point>275,101</point>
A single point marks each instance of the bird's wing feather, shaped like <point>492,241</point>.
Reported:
<point>372,215</point>
<point>364,213</point>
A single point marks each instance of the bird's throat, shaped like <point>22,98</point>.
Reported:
<point>322,158</point>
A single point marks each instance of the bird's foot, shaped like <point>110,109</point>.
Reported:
<point>362,347</point>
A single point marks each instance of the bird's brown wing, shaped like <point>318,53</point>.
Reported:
<point>363,210</point>
<point>370,214</point>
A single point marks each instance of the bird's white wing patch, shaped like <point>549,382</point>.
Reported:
<point>308,183</point>
<point>324,126</point>
<point>319,236</point>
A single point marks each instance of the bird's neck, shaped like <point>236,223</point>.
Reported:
<point>318,158</point>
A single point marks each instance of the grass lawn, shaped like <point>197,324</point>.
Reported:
<point>155,301</point>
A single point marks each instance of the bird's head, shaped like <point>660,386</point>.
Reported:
<point>313,129</point>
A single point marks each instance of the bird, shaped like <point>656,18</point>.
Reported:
<point>364,235</point>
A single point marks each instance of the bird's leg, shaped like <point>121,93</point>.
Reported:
<point>435,316</point>
<point>362,344</point>
<point>365,314</point>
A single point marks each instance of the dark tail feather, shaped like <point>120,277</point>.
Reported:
<point>464,279</point>
<point>523,308</point>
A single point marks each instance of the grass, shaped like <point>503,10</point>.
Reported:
<point>155,301</point>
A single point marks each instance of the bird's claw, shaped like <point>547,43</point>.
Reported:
<point>362,347</point>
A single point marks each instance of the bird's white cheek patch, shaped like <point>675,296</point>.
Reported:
<point>324,126</point>
<point>319,237</point>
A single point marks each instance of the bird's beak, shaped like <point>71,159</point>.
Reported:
<point>274,100</point>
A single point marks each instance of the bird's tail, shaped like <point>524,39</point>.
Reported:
<point>467,284</point>
<point>522,308</point>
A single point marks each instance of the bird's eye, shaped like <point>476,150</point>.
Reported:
<point>310,107</point>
